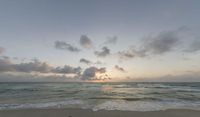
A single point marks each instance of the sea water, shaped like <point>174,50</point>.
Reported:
<point>101,96</point>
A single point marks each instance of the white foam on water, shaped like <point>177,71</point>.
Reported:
<point>145,106</point>
<point>110,105</point>
<point>41,105</point>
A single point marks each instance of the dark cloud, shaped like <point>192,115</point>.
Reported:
<point>82,60</point>
<point>111,40</point>
<point>6,65</point>
<point>162,43</point>
<point>131,53</point>
<point>67,70</point>
<point>154,45</point>
<point>65,46</point>
<point>88,62</point>
<point>193,47</point>
<point>90,73</point>
<point>105,51</point>
<point>37,67</point>
<point>99,63</point>
<point>1,50</point>
<point>28,77</point>
<point>103,77</point>
<point>85,41</point>
<point>119,68</point>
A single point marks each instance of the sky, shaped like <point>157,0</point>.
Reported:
<point>99,40</point>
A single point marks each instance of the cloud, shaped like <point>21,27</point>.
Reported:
<point>159,44</point>
<point>90,73</point>
<point>119,68</point>
<point>65,46</point>
<point>67,70</point>
<point>82,60</point>
<point>88,62</point>
<point>99,63</point>
<point>1,50</point>
<point>111,40</point>
<point>85,41</point>
<point>35,66</point>
<point>193,47</point>
<point>162,43</point>
<point>105,51</point>
<point>193,76</point>
<point>27,77</point>
<point>131,53</point>
<point>6,65</point>
<point>41,68</point>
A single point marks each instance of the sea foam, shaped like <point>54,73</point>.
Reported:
<point>59,104</point>
<point>145,105</point>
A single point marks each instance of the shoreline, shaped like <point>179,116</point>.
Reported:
<point>101,113</point>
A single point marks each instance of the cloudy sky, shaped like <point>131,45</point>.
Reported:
<point>99,40</point>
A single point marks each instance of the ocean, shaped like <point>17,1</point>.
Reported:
<point>101,96</point>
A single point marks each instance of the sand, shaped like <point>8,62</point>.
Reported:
<point>90,113</point>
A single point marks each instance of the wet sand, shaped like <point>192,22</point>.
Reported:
<point>101,113</point>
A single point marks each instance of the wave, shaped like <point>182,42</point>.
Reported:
<point>58,104</point>
<point>126,99</point>
<point>146,105</point>
<point>96,96</point>
<point>121,105</point>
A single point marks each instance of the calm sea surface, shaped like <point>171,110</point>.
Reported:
<point>100,96</point>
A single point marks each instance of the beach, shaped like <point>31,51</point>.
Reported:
<point>101,113</point>
<point>99,58</point>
